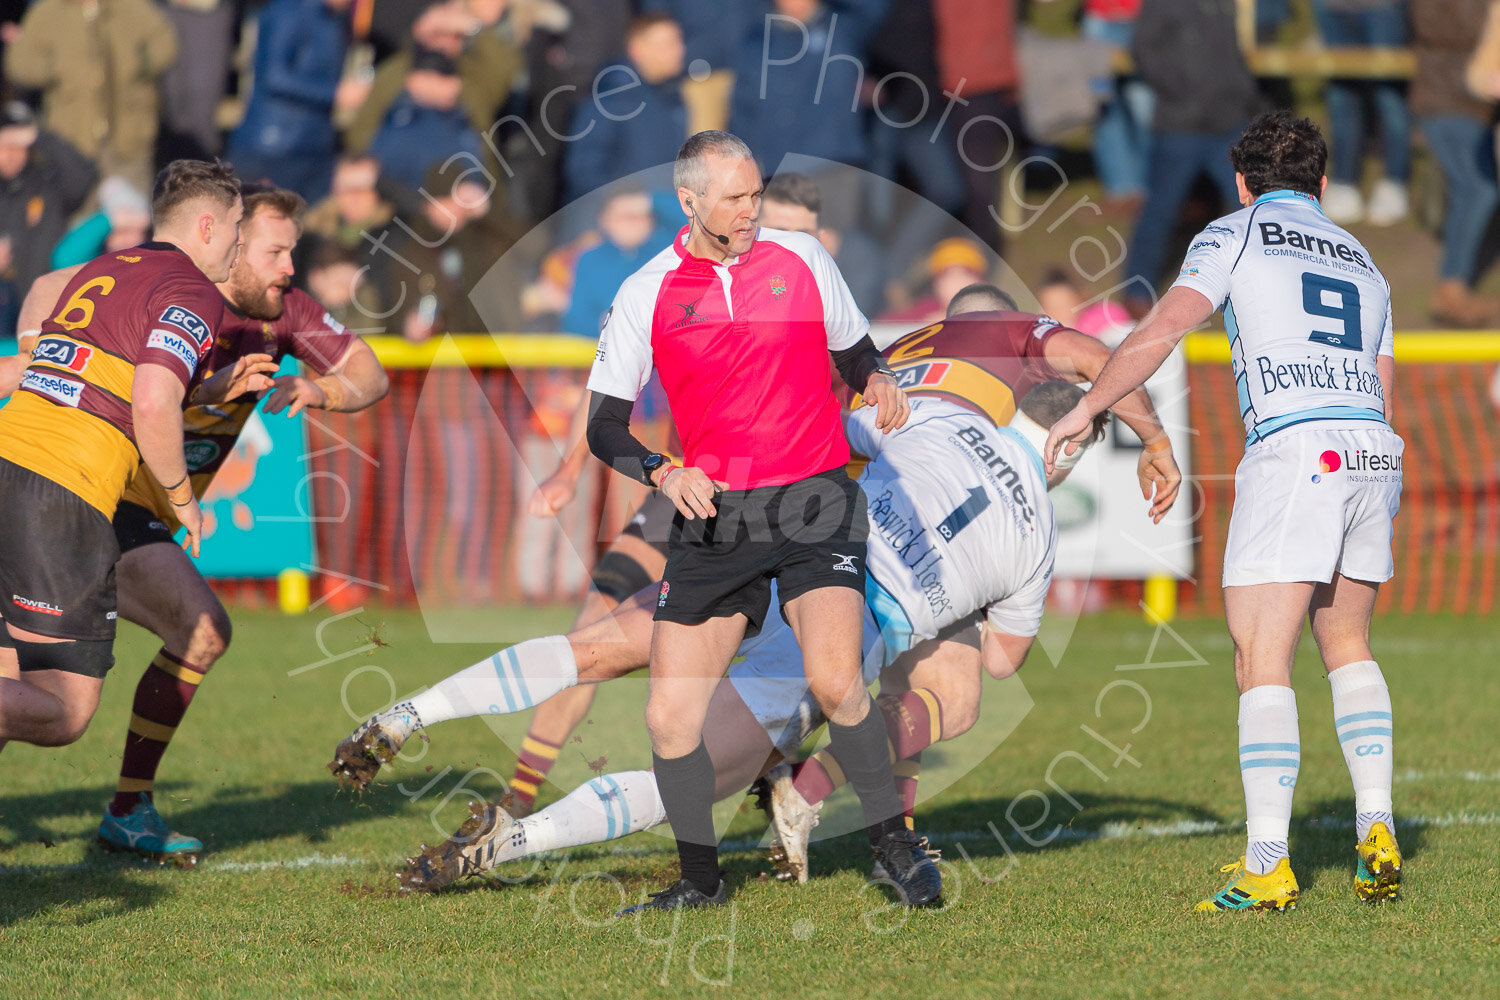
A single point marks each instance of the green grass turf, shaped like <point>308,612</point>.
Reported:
<point>292,897</point>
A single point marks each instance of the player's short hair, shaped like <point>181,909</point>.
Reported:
<point>183,181</point>
<point>642,23</point>
<point>691,167</point>
<point>1049,402</point>
<point>980,297</point>
<point>1279,151</point>
<point>269,199</point>
<point>794,189</point>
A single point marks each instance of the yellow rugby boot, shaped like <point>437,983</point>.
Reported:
<point>1275,890</point>
<point>1378,875</point>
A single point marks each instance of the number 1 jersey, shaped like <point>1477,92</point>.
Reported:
<point>1306,311</point>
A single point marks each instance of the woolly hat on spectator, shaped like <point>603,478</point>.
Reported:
<point>433,61</point>
<point>17,114</point>
<point>957,252</point>
<point>119,200</point>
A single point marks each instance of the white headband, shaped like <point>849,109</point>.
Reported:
<point>1036,435</point>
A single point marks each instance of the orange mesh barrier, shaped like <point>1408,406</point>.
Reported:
<point>1448,532</point>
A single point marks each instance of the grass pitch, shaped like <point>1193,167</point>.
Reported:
<point>1080,822</point>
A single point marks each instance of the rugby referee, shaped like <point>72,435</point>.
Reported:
<point>736,321</point>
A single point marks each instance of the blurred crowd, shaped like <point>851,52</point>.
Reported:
<point>503,164</point>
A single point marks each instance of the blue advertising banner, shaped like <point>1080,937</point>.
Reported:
<point>257,514</point>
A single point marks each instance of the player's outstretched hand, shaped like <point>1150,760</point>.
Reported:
<point>191,517</point>
<point>1069,433</point>
<point>552,495</point>
<point>891,407</point>
<point>297,392</point>
<point>691,491</point>
<point>251,373</point>
<point>1157,471</point>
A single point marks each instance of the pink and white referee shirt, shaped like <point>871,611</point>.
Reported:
<point>741,348</point>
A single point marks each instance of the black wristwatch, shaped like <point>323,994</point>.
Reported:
<point>651,463</point>
<point>884,369</point>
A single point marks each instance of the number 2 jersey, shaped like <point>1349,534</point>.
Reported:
<point>305,330</point>
<point>70,421</point>
<point>986,361</point>
<point>960,523</point>
<point>1306,311</point>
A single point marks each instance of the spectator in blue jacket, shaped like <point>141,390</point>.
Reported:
<point>798,72</point>
<point>641,126</point>
<point>631,237</point>
<point>287,135</point>
<point>427,123</point>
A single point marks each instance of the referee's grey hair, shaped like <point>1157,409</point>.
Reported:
<point>691,169</point>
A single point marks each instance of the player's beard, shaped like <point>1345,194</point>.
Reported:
<point>255,300</point>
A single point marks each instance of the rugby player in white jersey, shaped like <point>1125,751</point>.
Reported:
<point>961,533</point>
<point>1308,317</point>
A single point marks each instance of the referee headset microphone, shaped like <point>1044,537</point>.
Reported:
<point>724,240</point>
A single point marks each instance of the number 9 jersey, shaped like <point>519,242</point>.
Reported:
<point>1306,311</point>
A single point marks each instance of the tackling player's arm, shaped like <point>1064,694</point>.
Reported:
<point>40,300</point>
<point>355,381</point>
<point>1082,358</point>
<point>1136,359</point>
<point>156,396</point>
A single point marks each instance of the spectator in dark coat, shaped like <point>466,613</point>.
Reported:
<point>639,127</point>
<point>43,181</point>
<point>1188,52</point>
<point>287,135</point>
<point>807,104</point>
<point>425,124</point>
<point>711,31</point>
<point>1460,133</point>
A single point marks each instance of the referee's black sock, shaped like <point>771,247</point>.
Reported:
<point>687,791</point>
<point>864,753</point>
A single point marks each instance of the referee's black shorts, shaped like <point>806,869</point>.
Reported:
<point>805,535</point>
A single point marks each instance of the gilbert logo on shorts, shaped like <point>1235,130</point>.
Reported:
<point>666,588</point>
<point>40,607</point>
<point>845,564</point>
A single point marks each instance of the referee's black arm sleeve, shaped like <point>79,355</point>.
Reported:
<point>610,439</point>
<point>856,364</point>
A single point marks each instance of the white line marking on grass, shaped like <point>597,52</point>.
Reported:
<point>1415,776</point>
<point>307,861</point>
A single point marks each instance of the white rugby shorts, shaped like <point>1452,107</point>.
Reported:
<point>771,682</point>
<point>1312,501</point>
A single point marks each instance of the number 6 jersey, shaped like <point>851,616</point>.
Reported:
<point>1306,311</point>
<point>70,421</point>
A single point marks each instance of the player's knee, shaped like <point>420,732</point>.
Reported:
<point>666,736</point>
<point>212,634</point>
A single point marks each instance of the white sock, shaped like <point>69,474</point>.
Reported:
<point>1270,753</point>
<point>1362,719</point>
<point>607,808</point>
<point>517,678</point>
